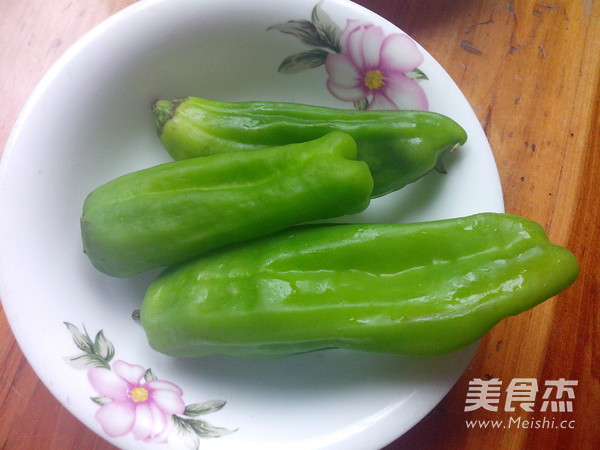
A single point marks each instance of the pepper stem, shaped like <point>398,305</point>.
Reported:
<point>163,111</point>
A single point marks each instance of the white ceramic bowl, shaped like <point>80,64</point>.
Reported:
<point>90,120</point>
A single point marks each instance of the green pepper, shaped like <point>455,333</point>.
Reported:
<point>415,289</point>
<point>399,146</point>
<point>178,210</point>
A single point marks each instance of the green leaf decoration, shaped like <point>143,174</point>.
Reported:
<point>361,104</point>
<point>303,30</point>
<point>205,429</point>
<point>328,31</point>
<point>96,353</point>
<point>103,347</point>
<point>197,409</point>
<point>417,74</point>
<point>100,400</point>
<point>319,32</point>
<point>149,375</point>
<point>87,361</point>
<point>200,428</point>
<point>302,61</point>
<point>81,339</point>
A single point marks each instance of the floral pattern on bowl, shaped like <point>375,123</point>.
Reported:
<point>134,400</point>
<point>363,65</point>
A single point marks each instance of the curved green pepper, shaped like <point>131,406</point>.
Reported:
<point>416,289</point>
<point>175,211</point>
<point>399,146</point>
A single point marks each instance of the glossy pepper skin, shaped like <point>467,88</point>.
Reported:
<point>176,211</point>
<point>414,289</point>
<point>399,146</point>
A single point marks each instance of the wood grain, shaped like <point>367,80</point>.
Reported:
<point>531,71</point>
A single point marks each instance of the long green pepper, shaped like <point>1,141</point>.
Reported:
<point>399,146</point>
<point>176,211</point>
<point>415,289</point>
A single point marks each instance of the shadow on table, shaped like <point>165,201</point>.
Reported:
<point>415,16</point>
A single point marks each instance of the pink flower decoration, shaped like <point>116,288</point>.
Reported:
<point>141,407</point>
<point>374,65</point>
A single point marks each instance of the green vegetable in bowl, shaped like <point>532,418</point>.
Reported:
<point>415,289</point>
<point>399,146</point>
<point>176,211</point>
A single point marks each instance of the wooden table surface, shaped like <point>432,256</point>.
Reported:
<point>531,71</point>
